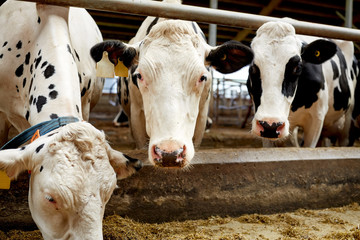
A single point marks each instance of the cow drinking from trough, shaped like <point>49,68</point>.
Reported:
<point>47,80</point>
<point>169,84</point>
<point>292,84</point>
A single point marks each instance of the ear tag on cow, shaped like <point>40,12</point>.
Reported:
<point>4,180</point>
<point>105,68</point>
<point>35,136</point>
<point>121,70</point>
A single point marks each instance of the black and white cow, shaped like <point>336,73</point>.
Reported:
<point>169,84</point>
<point>292,84</point>
<point>47,77</point>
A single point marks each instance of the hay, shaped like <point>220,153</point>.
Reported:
<point>333,223</point>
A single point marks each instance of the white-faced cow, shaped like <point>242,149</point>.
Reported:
<point>47,80</point>
<point>292,84</point>
<point>169,84</point>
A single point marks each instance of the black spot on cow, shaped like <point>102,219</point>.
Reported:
<point>68,48</point>
<point>22,148</point>
<point>19,71</point>
<point>293,70</point>
<point>1,56</point>
<point>151,25</point>
<point>31,68</point>
<point>34,101</point>
<point>335,69</point>
<point>89,84</point>
<point>5,43</point>
<point>310,82</point>
<point>51,134</point>
<point>44,64</point>
<point>19,45</point>
<point>41,168</point>
<point>83,91</point>
<point>31,83</point>
<point>18,55</point>
<point>9,49</point>
<point>27,58</point>
<point>37,150</point>
<point>39,52</point>
<point>27,115</point>
<point>54,116</point>
<point>53,94</point>
<point>49,71</point>
<point>40,103</point>
<point>17,88</point>
<point>254,85</point>
<point>51,86</point>
<point>134,77</point>
<point>77,55</point>
<point>24,82</point>
<point>31,99</point>
<point>37,61</point>
<point>80,80</point>
<point>342,95</point>
<point>77,108</point>
<point>127,91</point>
<point>39,20</point>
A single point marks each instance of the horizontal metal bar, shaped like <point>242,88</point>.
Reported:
<point>205,15</point>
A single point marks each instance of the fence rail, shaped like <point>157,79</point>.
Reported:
<point>205,15</point>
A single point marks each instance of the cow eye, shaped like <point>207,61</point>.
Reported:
<point>50,199</point>
<point>297,70</point>
<point>138,76</point>
<point>203,78</point>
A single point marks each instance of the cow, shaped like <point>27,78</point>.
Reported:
<point>47,87</point>
<point>169,84</point>
<point>300,81</point>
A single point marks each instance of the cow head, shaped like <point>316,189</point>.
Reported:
<point>170,68</point>
<point>73,174</point>
<point>280,60</point>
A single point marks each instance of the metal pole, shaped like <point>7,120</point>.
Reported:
<point>213,27</point>
<point>205,15</point>
<point>349,13</point>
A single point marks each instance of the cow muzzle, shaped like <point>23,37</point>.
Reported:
<point>270,129</point>
<point>169,154</point>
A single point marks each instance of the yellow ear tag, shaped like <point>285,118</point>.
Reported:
<point>105,68</point>
<point>4,180</point>
<point>121,70</point>
<point>317,53</point>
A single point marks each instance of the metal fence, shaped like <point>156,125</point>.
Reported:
<point>205,15</point>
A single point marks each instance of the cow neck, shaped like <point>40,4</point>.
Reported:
<point>40,129</point>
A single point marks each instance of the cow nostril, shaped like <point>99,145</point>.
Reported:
<point>156,154</point>
<point>166,158</point>
<point>271,131</point>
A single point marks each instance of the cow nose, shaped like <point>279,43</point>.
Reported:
<point>271,130</point>
<point>169,155</point>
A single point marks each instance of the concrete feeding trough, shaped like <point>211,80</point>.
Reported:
<point>226,182</point>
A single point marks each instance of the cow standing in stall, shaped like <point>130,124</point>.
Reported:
<point>48,83</point>
<point>169,84</point>
<point>292,84</point>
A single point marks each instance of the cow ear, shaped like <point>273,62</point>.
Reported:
<point>123,165</point>
<point>116,50</point>
<point>230,56</point>
<point>14,161</point>
<point>318,51</point>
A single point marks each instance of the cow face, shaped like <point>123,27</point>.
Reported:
<point>170,68</point>
<point>281,60</point>
<point>73,174</point>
